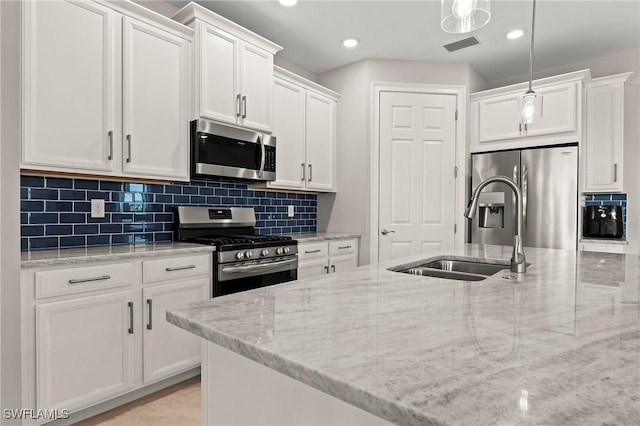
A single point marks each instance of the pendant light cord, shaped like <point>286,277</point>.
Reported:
<point>533,30</point>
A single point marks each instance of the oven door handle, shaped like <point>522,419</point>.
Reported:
<point>263,156</point>
<point>258,267</point>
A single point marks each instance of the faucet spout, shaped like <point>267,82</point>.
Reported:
<point>518,260</point>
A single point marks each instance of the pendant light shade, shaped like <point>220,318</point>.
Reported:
<point>531,100</point>
<point>463,16</point>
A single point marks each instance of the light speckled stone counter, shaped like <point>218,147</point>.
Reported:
<point>39,258</point>
<point>559,345</point>
<point>311,237</point>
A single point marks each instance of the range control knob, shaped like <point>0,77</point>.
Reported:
<point>264,252</point>
<point>287,250</point>
<point>248,254</point>
<point>279,250</point>
<point>239,255</point>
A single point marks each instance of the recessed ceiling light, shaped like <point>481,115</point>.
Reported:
<point>514,34</point>
<point>288,2</point>
<point>350,42</point>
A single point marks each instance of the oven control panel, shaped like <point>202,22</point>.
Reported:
<point>256,253</point>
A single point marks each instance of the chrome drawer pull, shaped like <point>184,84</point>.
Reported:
<point>86,280</point>
<point>180,268</point>
<point>312,251</point>
<point>150,323</point>
<point>130,305</point>
<point>344,247</point>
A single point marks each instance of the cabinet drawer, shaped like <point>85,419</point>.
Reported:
<point>175,267</point>
<point>342,247</point>
<point>78,280</point>
<point>313,251</point>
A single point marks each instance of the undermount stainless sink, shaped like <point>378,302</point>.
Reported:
<point>463,269</point>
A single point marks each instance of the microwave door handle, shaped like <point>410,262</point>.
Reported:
<point>262,157</point>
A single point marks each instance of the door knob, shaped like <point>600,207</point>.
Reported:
<point>385,232</point>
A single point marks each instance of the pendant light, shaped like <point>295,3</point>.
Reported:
<point>531,99</point>
<point>463,16</point>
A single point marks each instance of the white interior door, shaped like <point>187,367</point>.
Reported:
<point>417,182</point>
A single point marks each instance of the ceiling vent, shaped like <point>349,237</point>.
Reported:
<point>461,44</point>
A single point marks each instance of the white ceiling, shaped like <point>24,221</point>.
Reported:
<point>311,32</point>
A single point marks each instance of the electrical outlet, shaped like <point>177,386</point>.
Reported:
<point>291,211</point>
<point>97,208</point>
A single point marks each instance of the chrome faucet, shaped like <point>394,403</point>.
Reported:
<point>518,261</point>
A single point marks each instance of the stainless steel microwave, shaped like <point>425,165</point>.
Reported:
<point>218,150</point>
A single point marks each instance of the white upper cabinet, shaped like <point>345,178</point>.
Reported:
<point>495,120</point>
<point>156,86</point>
<point>604,128</point>
<point>234,70</point>
<point>305,130</point>
<point>68,86</point>
<point>96,75</point>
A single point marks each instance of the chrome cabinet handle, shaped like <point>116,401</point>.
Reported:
<point>326,269</point>
<point>520,127</point>
<point>238,107</point>
<point>311,251</point>
<point>303,173</point>
<point>344,247</point>
<point>179,268</point>
<point>150,323</point>
<point>130,304</point>
<point>333,268</point>
<point>110,157</point>
<point>86,280</point>
<point>615,172</point>
<point>128,148</point>
<point>310,173</point>
<point>385,232</point>
<point>244,107</point>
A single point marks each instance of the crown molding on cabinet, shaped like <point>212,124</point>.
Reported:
<point>193,11</point>
<point>135,10</point>
<point>610,79</point>
<point>281,72</point>
<point>582,75</point>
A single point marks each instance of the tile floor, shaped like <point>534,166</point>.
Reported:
<point>178,405</point>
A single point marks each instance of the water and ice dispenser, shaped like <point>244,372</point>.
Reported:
<point>491,210</point>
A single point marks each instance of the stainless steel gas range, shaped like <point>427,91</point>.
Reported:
<point>243,260</point>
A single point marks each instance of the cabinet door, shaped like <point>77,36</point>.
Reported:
<point>84,350</point>
<point>156,87</point>
<point>68,85</point>
<point>558,110</point>
<point>168,349</point>
<point>321,140</point>
<point>498,118</point>
<point>603,149</point>
<point>256,87</point>
<point>343,263</point>
<point>289,128</point>
<point>312,268</point>
<point>219,77</point>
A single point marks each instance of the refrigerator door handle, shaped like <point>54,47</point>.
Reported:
<point>513,194</point>
<point>525,190</point>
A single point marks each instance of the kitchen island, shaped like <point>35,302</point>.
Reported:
<point>557,345</point>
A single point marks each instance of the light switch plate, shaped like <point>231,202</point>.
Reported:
<point>97,208</point>
<point>291,211</point>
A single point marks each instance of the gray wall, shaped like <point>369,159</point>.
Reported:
<point>349,209</point>
<point>10,365</point>
<point>600,67</point>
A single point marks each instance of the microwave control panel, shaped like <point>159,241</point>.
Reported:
<point>270,159</point>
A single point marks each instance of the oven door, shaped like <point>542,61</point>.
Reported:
<point>240,276</point>
<point>219,150</point>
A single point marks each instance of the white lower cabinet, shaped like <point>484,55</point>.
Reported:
<point>99,330</point>
<point>168,349</point>
<point>84,350</point>
<point>326,257</point>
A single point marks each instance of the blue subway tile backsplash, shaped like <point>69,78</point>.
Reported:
<point>55,211</point>
<point>609,200</point>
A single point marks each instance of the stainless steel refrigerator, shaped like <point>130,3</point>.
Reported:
<point>548,178</point>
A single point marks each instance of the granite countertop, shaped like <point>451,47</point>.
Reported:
<point>558,345</point>
<point>311,237</point>
<point>63,256</point>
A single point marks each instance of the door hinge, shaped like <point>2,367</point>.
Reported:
<point>456,115</point>
<point>455,228</point>
<point>455,171</point>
